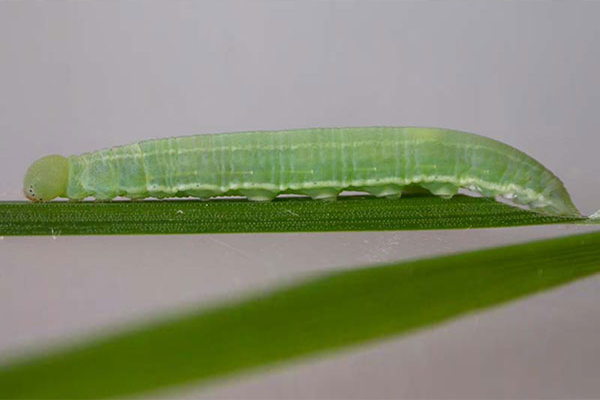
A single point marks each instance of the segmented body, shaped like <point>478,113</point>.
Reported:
<point>384,161</point>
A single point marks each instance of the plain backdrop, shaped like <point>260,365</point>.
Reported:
<point>76,77</point>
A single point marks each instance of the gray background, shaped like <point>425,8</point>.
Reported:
<point>76,77</point>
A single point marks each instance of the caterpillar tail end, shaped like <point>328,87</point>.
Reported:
<point>595,216</point>
<point>46,178</point>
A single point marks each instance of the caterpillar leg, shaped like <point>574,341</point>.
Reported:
<point>327,194</point>
<point>389,191</point>
<point>444,190</point>
<point>258,194</point>
<point>201,194</point>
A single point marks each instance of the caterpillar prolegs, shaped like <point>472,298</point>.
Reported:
<point>383,161</point>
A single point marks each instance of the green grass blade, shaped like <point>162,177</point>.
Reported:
<point>351,213</point>
<point>326,313</point>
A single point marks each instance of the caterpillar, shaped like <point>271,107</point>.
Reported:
<point>320,163</point>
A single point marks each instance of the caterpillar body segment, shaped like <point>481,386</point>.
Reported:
<point>320,163</point>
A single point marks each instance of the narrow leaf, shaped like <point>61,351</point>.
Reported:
<point>349,213</point>
<point>326,313</point>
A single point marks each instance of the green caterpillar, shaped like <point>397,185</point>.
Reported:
<point>383,161</point>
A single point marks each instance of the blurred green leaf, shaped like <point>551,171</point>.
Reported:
<point>349,213</point>
<point>322,314</point>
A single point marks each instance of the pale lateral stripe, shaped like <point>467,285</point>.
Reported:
<point>518,191</point>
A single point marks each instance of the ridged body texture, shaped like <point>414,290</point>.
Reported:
<point>384,161</point>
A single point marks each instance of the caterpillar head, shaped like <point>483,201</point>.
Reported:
<point>46,178</point>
